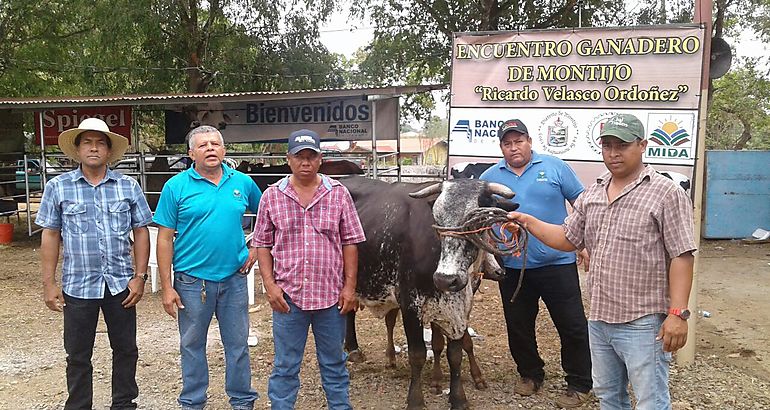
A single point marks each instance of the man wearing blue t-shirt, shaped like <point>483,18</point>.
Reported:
<point>204,205</point>
<point>543,184</point>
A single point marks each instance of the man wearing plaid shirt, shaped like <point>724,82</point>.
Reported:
<point>91,210</point>
<point>306,233</point>
<point>638,228</point>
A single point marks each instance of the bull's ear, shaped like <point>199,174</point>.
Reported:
<point>506,205</point>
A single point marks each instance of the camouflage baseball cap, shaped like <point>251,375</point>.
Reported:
<point>624,126</point>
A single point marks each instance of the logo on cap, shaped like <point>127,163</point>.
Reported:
<point>299,139</point>
<point>618,120</point>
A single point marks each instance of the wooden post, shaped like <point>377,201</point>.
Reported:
<point>702,15</point>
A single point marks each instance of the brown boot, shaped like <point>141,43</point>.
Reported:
<point>570,399</point>
<point>527,387</point>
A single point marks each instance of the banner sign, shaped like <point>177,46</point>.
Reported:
<point>332,118</point>
<point>563,84</point>
<point>56,121</point>
<point>573,134</point>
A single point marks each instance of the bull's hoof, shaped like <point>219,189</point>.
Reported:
<point>435,388</point>
<point>415,406</point>
<point>356,356</point>
<point>481,384</point>
<point>461,406</point>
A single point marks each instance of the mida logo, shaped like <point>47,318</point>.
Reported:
<point>670,136</point>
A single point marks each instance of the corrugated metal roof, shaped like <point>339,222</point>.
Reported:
<point>184,99</point>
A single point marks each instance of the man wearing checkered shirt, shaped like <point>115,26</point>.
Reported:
<point>306,233</point>
<point>638,228</point>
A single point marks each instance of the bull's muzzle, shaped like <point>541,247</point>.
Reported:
<point>449,282</point>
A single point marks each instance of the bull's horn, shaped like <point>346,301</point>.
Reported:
<point>500,189</point>
<point>427,191</point>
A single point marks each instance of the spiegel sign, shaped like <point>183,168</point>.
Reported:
<point>56,121</point>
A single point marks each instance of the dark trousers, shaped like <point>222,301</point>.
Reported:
<point>559,287</point>
<point>80,319</point>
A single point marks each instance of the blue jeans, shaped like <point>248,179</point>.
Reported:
<point>228,300</point>
<point>623,352</point>
<point>290,337</point>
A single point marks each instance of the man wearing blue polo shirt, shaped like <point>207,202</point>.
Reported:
<point>204,205</point>
<point>542,184</point>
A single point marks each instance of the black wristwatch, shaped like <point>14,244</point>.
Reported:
<point>143,277</point>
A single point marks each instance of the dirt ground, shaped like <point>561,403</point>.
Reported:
<point>731,370</point>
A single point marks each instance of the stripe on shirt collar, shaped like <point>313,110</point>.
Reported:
<point>326,181</point>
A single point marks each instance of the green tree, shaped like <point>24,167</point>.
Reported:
<point>436,128</point>
<point>412,41</point>
<point>738,115</point>
<point>80,47</point>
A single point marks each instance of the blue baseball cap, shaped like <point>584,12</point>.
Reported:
<point>304,139</point>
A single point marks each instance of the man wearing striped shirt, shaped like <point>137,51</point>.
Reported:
<point>91,211</point>
<point>638,228</point>
<point>306,234</point>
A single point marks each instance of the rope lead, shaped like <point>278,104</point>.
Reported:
<point>479,228</point>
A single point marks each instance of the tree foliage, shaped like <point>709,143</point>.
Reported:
<point>163,46</point>
<point>738,116</point>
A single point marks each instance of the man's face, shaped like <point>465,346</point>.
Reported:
<point>516,148</point>
<point>305,164</point>
<point>207,150</point>
<point>622,158</point>
<point>93,150</point>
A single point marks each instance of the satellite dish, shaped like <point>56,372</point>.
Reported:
<point>721,58</point>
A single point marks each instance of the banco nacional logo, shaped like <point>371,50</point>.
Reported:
<point>464,127</point>
<point>477,131</point>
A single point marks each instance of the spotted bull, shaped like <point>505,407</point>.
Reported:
<point>405,265</point>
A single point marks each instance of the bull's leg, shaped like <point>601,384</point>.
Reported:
<point>413,331</point>
<point>478,378</point>
<point>437,343</point>
<point>390,350</point>
<point>355,355</point>
<point>454,354</point>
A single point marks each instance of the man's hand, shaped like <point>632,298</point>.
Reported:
<point>275,297</point>
<point>583,259</point>
<point>135,292</point>
<point>171,301</point>
<point>518,217</point>
<point>673,332</point>
<point>348,301</point>
<point>53,297</point>
<point>250,261</point>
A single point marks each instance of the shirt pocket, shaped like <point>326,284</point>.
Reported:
<point>326,219</point>
<point>74,216</point>
<point>120,216</point>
